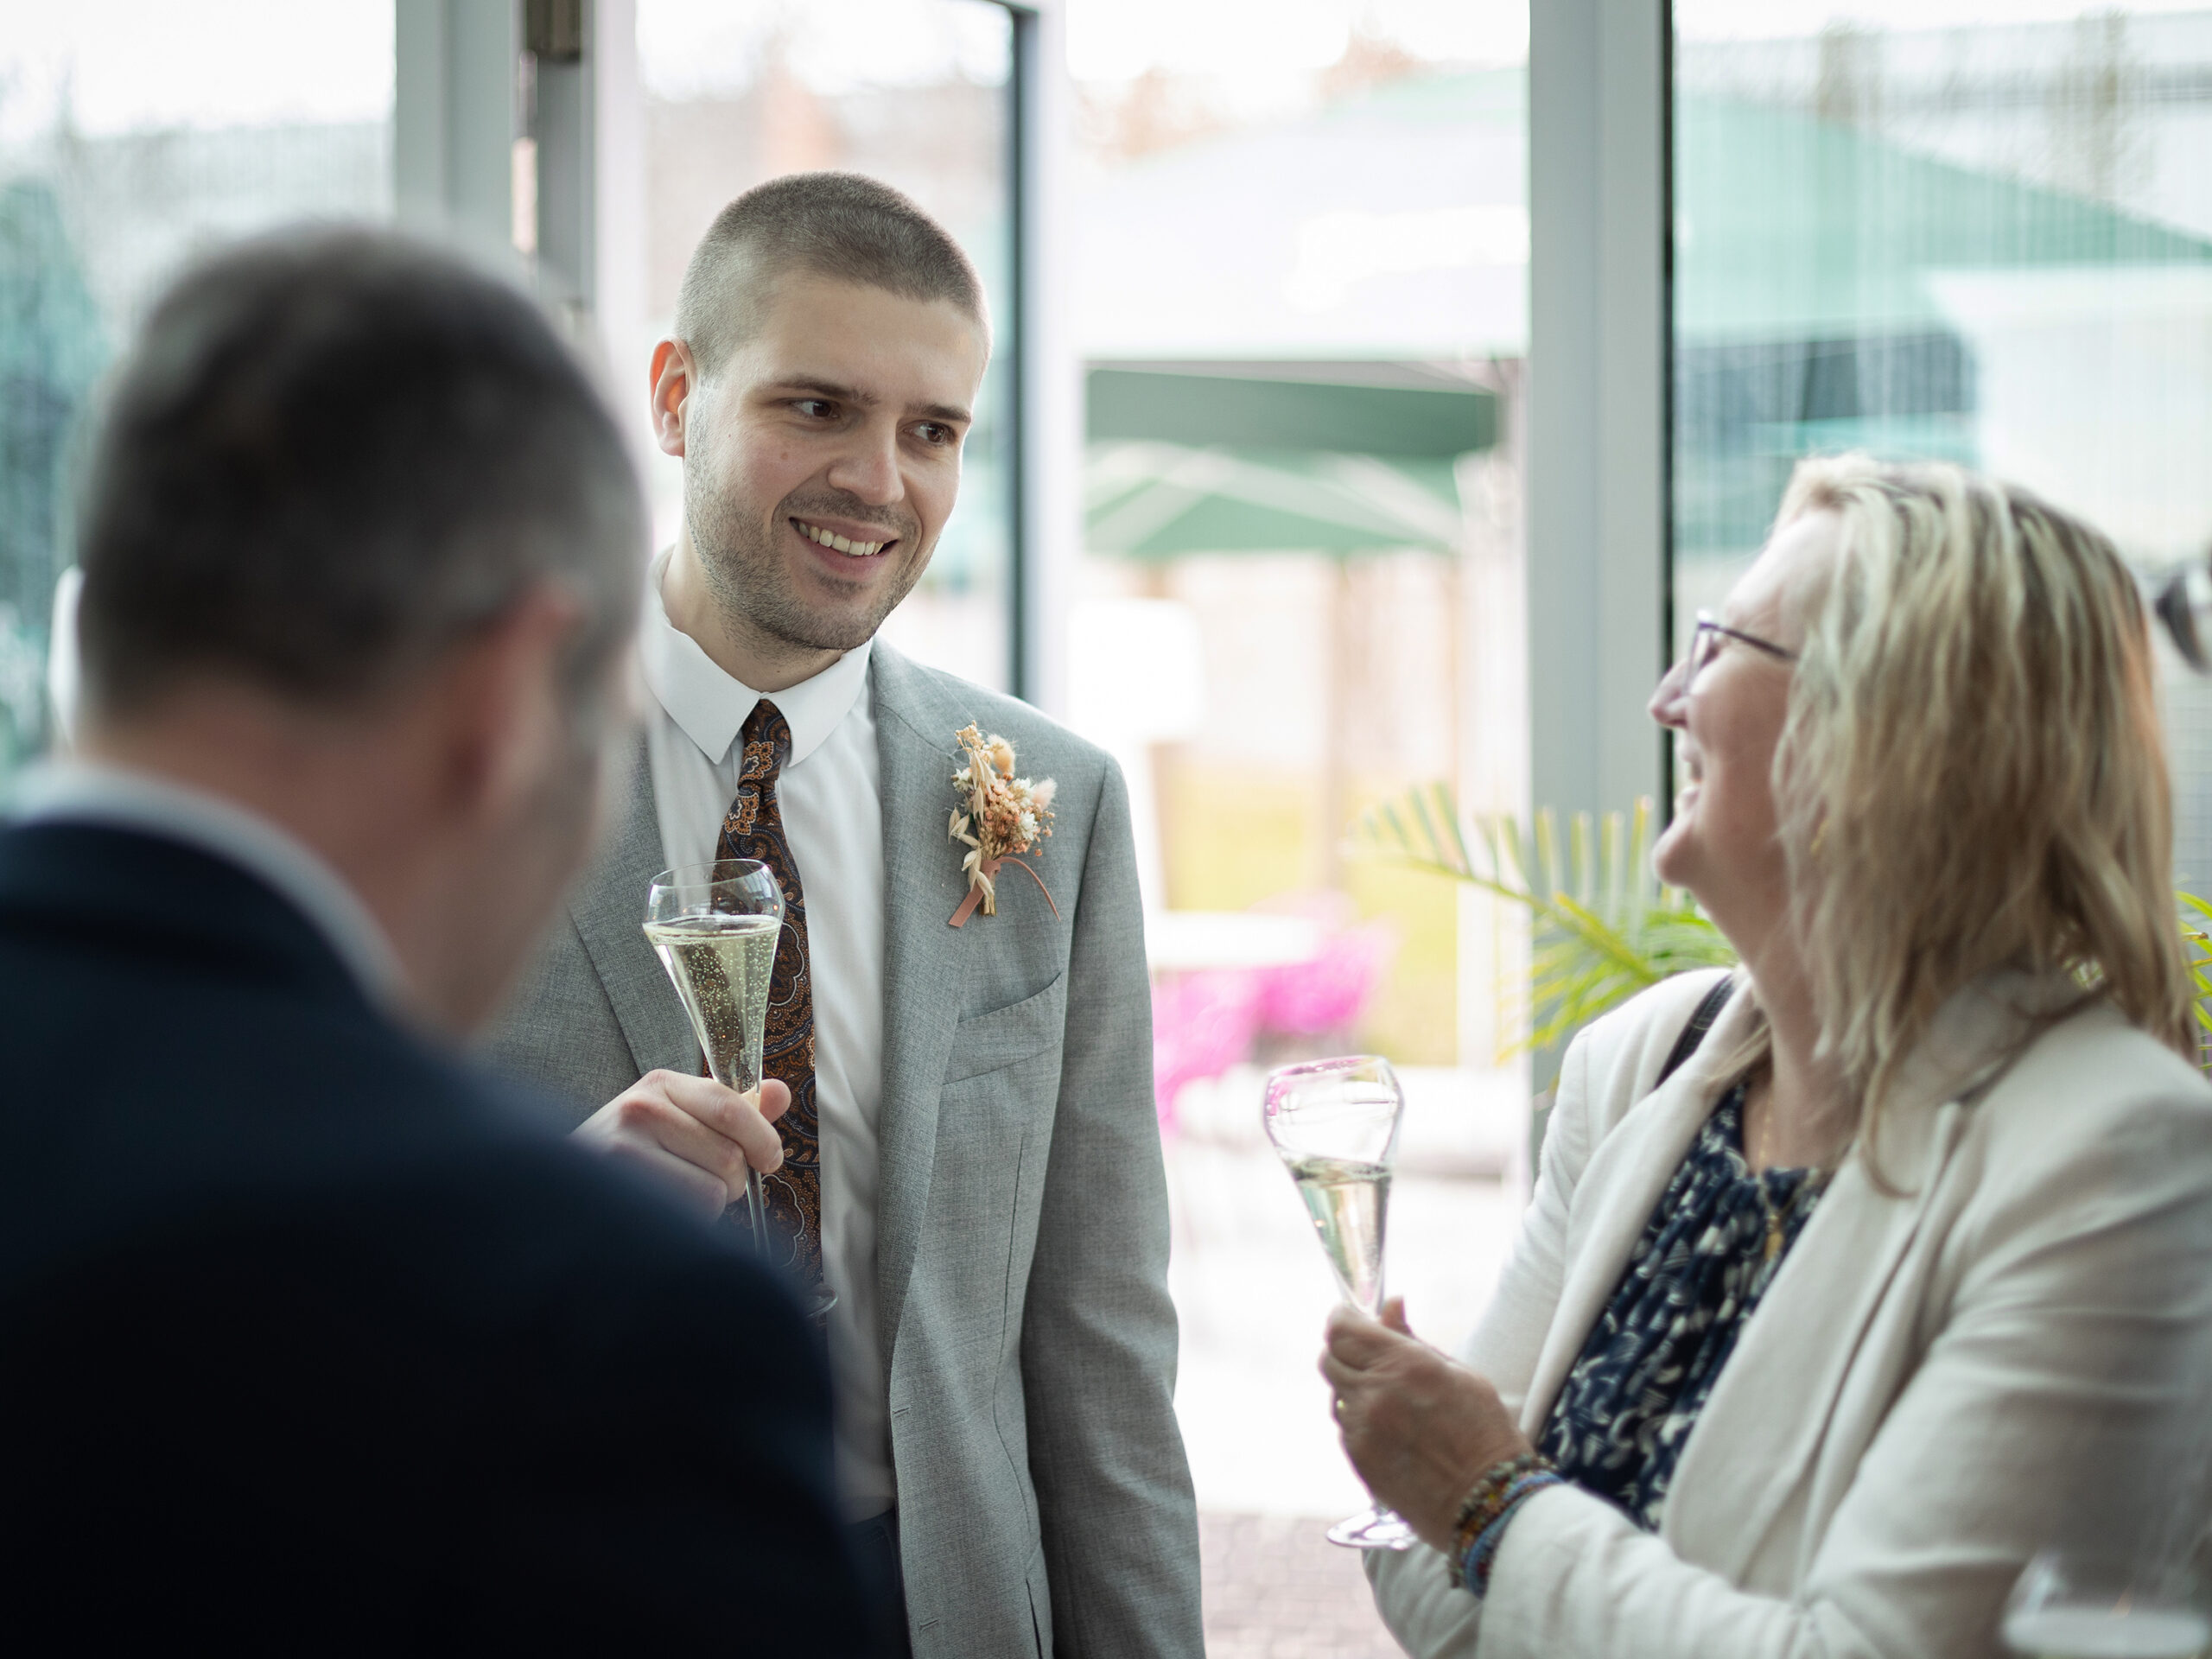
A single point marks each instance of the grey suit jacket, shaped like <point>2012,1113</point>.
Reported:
<point>1044,1503</point>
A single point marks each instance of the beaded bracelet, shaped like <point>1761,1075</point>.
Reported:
<point>1474,1566</point>
<point>1501,1488</point>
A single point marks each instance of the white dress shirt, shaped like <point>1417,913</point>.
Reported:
<point>830,796</point>
<point>83,792</point>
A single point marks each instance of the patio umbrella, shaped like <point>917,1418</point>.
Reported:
<point>1223,461</point>
<point>1156,501</point>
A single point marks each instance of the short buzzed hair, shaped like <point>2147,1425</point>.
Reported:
<point>331,455</point>
<point>840,225</point>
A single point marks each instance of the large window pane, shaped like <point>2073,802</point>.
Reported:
<point>914,92</point>
<point>1302,299</point>
<point>133,135</point>
<point>1990,242</point>
<point>1300,285</point>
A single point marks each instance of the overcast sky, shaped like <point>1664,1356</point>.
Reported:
<point>130,63</point>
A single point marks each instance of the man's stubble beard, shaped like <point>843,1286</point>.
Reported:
<point>744,571</point>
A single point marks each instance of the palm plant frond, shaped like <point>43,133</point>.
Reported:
<point>1604,926</point>
<point>2196,919</point>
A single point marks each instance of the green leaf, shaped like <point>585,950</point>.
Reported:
<point>1602,926</point>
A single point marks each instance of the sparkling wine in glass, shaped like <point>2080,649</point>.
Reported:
<point>2075,1605</point>
<point>714,926</point>
<point>1335,1123</point>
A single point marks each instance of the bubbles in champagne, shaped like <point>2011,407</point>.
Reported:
<point>720,965</point>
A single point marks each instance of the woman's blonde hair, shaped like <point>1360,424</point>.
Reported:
<point>1972,774</point>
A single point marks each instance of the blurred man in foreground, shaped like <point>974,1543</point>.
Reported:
<point>305,1336</point>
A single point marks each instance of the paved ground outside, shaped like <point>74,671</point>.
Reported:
<point>1252,1290</point>
<point>1276,1589</point>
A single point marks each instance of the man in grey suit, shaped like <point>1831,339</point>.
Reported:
<point>971,1148</point>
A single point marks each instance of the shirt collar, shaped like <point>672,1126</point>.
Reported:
<point>710,705</point>
<point>83,792</point>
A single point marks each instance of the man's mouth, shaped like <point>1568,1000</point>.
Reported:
<point>830,539</point>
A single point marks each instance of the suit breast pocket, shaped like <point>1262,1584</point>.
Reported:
<point>1003,1038</point>
<point>995,1136</point>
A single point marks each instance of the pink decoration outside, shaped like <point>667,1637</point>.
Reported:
<point>1204,1022</point>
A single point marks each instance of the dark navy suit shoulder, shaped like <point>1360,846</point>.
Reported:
<point>315,1328</point>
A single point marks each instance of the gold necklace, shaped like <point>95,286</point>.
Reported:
<point>1813,1180</point>
<point>1773,1220</point>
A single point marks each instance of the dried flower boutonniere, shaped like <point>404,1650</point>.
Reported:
<point>1000,816</point>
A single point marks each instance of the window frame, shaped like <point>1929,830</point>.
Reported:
<point>1599,344</point>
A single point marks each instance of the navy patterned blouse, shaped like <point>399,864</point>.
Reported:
<point>1653,1356</point>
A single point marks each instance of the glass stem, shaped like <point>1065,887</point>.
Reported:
<point>756,1209</point>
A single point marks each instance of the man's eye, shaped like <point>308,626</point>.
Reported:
<point>936,432</point>
<point>820,409</point>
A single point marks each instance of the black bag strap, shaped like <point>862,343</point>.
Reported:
<point>1701,1019</point>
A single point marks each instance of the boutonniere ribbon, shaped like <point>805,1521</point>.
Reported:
<point>1000,817</point>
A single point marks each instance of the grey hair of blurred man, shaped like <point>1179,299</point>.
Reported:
<point>331,455</point>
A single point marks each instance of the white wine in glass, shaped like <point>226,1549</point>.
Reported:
<point>2073,1604</point>
<point>715,927</point>
<point>1335,1123</point>
<point>1348,1201</point>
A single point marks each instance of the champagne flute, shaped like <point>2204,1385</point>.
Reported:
<point>715,927</point>
<point>2073,1604</point>
<point>1335,1124</point>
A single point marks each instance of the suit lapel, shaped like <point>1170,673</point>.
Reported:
<point>1753,1446</point>
<point>609,908</point>
<point>1620,1186</point>
<point>923,959</point>
<point>1624,1182</point>
<point>1809,1327</point>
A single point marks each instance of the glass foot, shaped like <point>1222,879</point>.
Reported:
<point>1374,1528</point>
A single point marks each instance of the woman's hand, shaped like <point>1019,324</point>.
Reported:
<point>1420,1429</point>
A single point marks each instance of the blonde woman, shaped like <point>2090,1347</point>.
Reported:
<point>1806,1347</point>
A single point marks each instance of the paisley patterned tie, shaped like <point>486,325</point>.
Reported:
<point>753,828</point>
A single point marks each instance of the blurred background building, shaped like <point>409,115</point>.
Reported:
<point>1990,242</point>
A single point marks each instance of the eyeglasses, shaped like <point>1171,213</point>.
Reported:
<point>1705,645</point>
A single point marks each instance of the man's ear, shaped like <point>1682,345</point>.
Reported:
<point>674,377</point>
<point>507,721</point>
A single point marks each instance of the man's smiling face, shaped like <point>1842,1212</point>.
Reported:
<point>822,458</point>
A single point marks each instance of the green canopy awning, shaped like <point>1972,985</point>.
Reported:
<point>1277,458</point>
<point>1160,500</point>
<point>1206,409</point>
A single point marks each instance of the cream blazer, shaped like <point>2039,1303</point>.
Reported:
<point>1939,1376</point>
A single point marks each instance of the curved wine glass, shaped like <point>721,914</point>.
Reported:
<point>715,927</point>
<point>2072,1603</point>
<point>1335,1124</point>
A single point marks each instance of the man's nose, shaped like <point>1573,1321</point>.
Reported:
<point>869,469</point>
